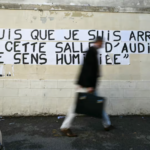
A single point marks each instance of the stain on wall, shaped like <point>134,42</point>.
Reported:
<point>43,19</point>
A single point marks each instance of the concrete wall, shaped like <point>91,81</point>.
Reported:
<point>138,6</point>
<point>126,3</point>
<point>47,89</point>
<point>48,97</point>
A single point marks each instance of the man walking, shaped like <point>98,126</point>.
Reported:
<point>87,80</point>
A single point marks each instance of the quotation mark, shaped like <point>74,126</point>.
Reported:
<point>126,56</point>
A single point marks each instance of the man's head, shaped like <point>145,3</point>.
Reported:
<point>99,42</point>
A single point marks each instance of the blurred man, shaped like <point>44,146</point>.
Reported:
<point>87,80</point>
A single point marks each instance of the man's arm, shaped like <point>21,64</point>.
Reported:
<point>90,74</point>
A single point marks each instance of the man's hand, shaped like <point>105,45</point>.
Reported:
<point>90,89</point>
<point>79,87</point>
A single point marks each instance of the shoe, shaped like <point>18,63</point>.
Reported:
<point>111,127</point>
<point>67,132</point>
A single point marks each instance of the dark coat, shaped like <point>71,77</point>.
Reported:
<point>90,69</point>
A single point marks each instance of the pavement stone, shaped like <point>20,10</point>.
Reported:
<point>42,133</point>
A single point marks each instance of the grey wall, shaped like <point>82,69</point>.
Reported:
<point>131,6</point>
<point>126,87</point>
<point>114,3</point>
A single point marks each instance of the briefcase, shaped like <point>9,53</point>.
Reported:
<point>89,104</point>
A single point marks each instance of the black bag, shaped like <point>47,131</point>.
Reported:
<point>89,104</point>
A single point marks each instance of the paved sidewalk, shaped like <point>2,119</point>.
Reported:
<point>42,133</point>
